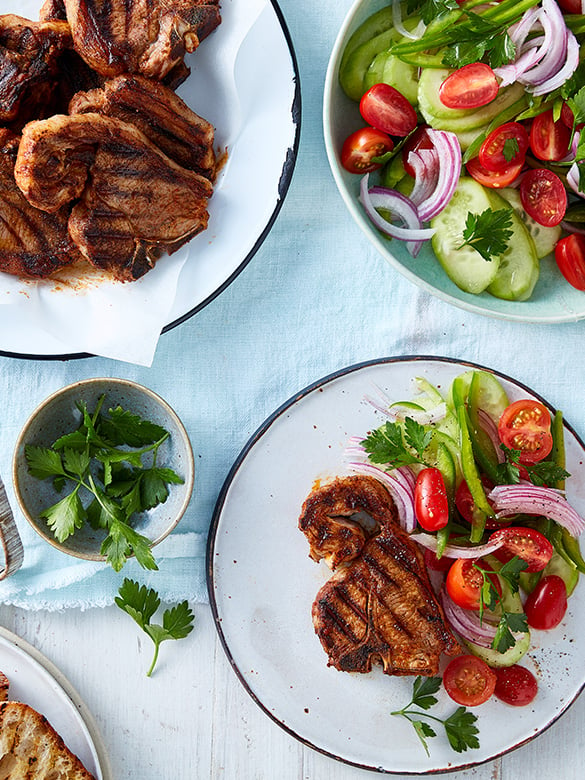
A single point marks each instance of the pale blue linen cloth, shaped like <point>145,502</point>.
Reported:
<point>315,298</point>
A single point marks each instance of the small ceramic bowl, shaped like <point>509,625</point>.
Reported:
<point>58,415</point>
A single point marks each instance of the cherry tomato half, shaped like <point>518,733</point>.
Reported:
<point>572,6</point>
<point>431,505</point>
<point>436,564</point>
<point>386,109</point>
<point>464,583</point>
<point>543,196</point>
<point>361,147</point>
<point>471,86</point>
<point>570,257</point>
<point>506,145</point>
<point>495,179</point>
<point>525,426</point>
<point>469,680</point>
<point>515,685</point>
<point>527,543</point>
<point>549,140</point>
<point>545,607</point>
<point>420,139</point>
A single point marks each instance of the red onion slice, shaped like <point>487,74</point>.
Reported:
<point>430,542</point>
<point>399,206</point>
<point>570,66</point>
<point>466,623</point>
<point>448,151</point>
<point>536,500</point>
<point>415,34</point>
<point>491,429</point>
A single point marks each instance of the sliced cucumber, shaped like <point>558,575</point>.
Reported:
<point>401,76</point>
<point>545,238</point>
<point>441,117</point>
<point>566,571</point>
<point>463,264</point>
<point>494,658</point>
<point>352,70</point>
<point>519,268</point>
<point>492,397</point>
<point>375,71</point>
<point>393,172</point>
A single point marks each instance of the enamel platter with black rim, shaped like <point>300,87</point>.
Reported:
<point>262,584</point>
<point>243,83</point>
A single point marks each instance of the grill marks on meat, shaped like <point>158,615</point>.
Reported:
<point>379,605</point>
<point>32,243</point>
<point>29,54</point>
<point>149,37</point>
<point>118,180</point>
<point>160,114</point>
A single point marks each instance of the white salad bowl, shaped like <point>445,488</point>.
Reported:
<point>553,299</point>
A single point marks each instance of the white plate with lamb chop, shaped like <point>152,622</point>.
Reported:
<point>262,585</point>
<point>136,154</point>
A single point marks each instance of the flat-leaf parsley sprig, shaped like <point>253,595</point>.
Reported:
<point>111,463</point>
<point>141,603</point>
<point>488,233</point>
<point>459,727</point>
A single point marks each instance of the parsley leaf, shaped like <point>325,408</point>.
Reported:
<point>488,232</point>
<point>543,473</point>
<point>459,727</point>
<point>394,445</point>
<point>461,730</point>
<point>141,603</point>
<point>510,149</point>
<point>490,598</point>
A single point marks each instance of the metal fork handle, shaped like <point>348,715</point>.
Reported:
<point>9,537</point>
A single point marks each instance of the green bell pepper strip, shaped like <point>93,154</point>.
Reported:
<point>565,544</point>
<point>471,475</point>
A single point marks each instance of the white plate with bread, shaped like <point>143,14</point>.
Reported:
<point>36,686</point>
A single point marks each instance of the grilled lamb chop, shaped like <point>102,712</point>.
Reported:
<point>149,37</point>
<point>132,202</point>
<point>29,54</point>
<point>160,114</point>
<point>379,605</point>
<point>32,243</point>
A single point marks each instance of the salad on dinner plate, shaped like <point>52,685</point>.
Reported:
<point>471,136</point>
<point>478,483</point>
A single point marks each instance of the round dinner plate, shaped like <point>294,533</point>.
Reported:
<point>37,682</point>
<point>262,584</point>
<point>553,300</point>
<point>241,93</point>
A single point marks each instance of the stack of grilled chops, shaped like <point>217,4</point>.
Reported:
<point>99,157</point>
<point>379,605</point>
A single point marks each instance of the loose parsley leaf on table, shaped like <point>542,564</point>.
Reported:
<point>488,232</point>
<point>112,459</point>
<point>141,603</point>
<point>459,727</point>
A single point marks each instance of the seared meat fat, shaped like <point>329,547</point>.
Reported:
<point>379,605</point>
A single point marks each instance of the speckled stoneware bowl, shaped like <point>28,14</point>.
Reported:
<point>58,415</point>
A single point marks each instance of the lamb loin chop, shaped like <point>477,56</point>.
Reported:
<point>160,114</point>
<point>150,37</point>
<point>379,605</point>
<point>29,55</point>
<point>32,243</point>
<point>132,203</point>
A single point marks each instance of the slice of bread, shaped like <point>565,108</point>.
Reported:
<point>30,749</point>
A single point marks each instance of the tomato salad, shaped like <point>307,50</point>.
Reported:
<point>473,115</point>
<point>479,484</point>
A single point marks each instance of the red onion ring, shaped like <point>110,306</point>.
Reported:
<point>491,429</point>
<point>536,500</point>
<point>466,623</point>
<point>454,550</point>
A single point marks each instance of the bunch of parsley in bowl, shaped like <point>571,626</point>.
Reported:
<point>103,470</point>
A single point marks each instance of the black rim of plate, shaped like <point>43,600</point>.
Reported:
<point>283,186</point>
<point>254,439</point>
